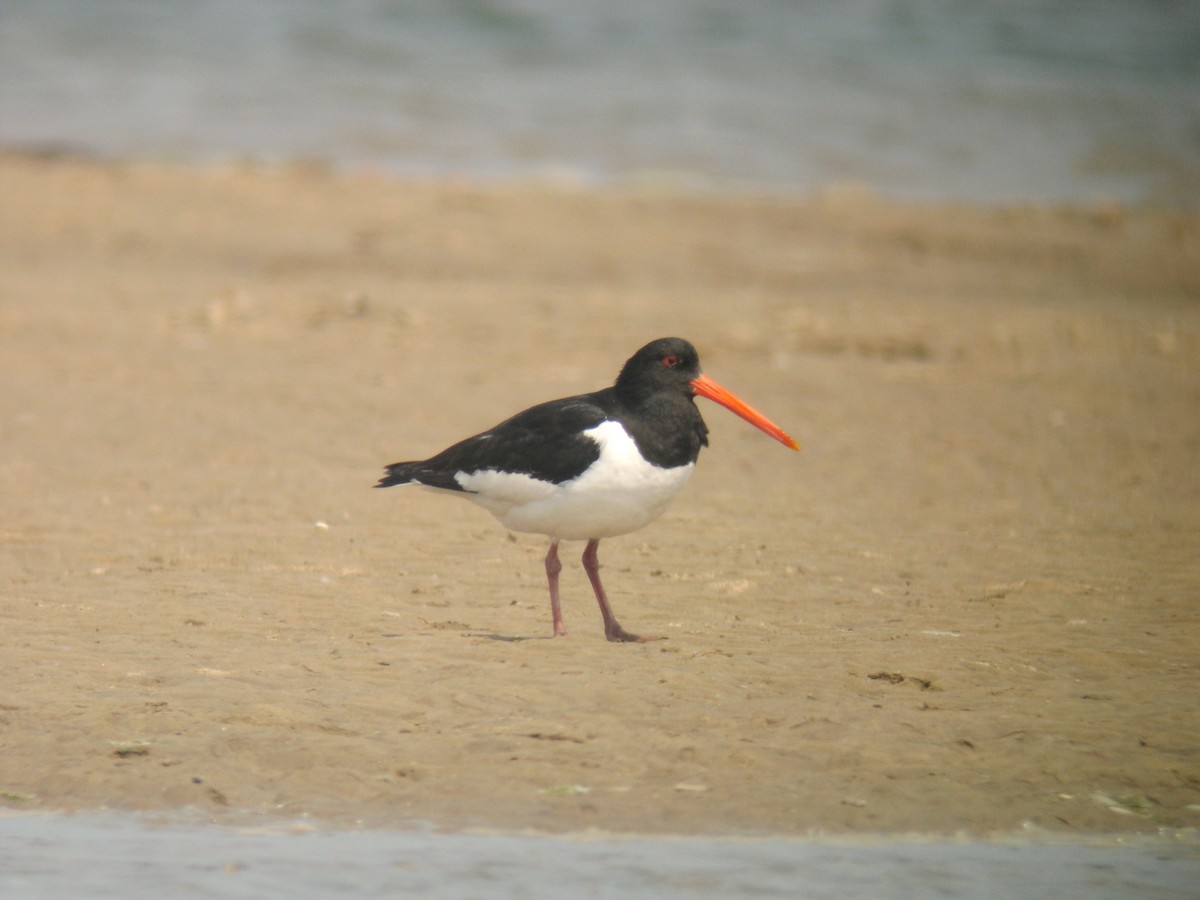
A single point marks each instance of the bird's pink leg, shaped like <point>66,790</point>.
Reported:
<point>612,628</point>
<point>553,567</point>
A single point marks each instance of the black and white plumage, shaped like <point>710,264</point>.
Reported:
<point>591,466</point>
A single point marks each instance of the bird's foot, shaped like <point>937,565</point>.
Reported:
<point>619,634</point>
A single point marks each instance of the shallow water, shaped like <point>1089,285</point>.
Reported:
<point>101,855</point>
<point>1042,100</point>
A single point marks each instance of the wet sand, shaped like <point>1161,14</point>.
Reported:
<point>969,604</point>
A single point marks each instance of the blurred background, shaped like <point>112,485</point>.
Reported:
<point>1023,100</point>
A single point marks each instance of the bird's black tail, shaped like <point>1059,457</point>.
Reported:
<point>424,472</point>
<point>398,473</point>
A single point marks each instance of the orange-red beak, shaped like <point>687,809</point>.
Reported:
<point>706,387</point>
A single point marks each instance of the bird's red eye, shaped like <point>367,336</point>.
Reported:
<point>670,361</point>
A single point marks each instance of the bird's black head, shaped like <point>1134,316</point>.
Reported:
<point>667,365</point>
<point>661,380</point>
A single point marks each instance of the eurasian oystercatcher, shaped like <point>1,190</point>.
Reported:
<point>592,466</point>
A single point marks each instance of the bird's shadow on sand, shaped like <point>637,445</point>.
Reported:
<point>491,636</point>
<point>507,638</point>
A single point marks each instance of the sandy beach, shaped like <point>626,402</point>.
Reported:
<point>970,604</point>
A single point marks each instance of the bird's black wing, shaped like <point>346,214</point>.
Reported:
<point>546,441</point>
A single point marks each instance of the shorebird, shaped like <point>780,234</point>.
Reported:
<point>591,466</point>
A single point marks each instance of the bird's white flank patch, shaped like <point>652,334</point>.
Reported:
<point>620,492</point>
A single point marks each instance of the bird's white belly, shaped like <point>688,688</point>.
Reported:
<point>619,493</point>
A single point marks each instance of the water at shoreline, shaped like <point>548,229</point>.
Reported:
<point>128,856</point>
<point>1048,100</point>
